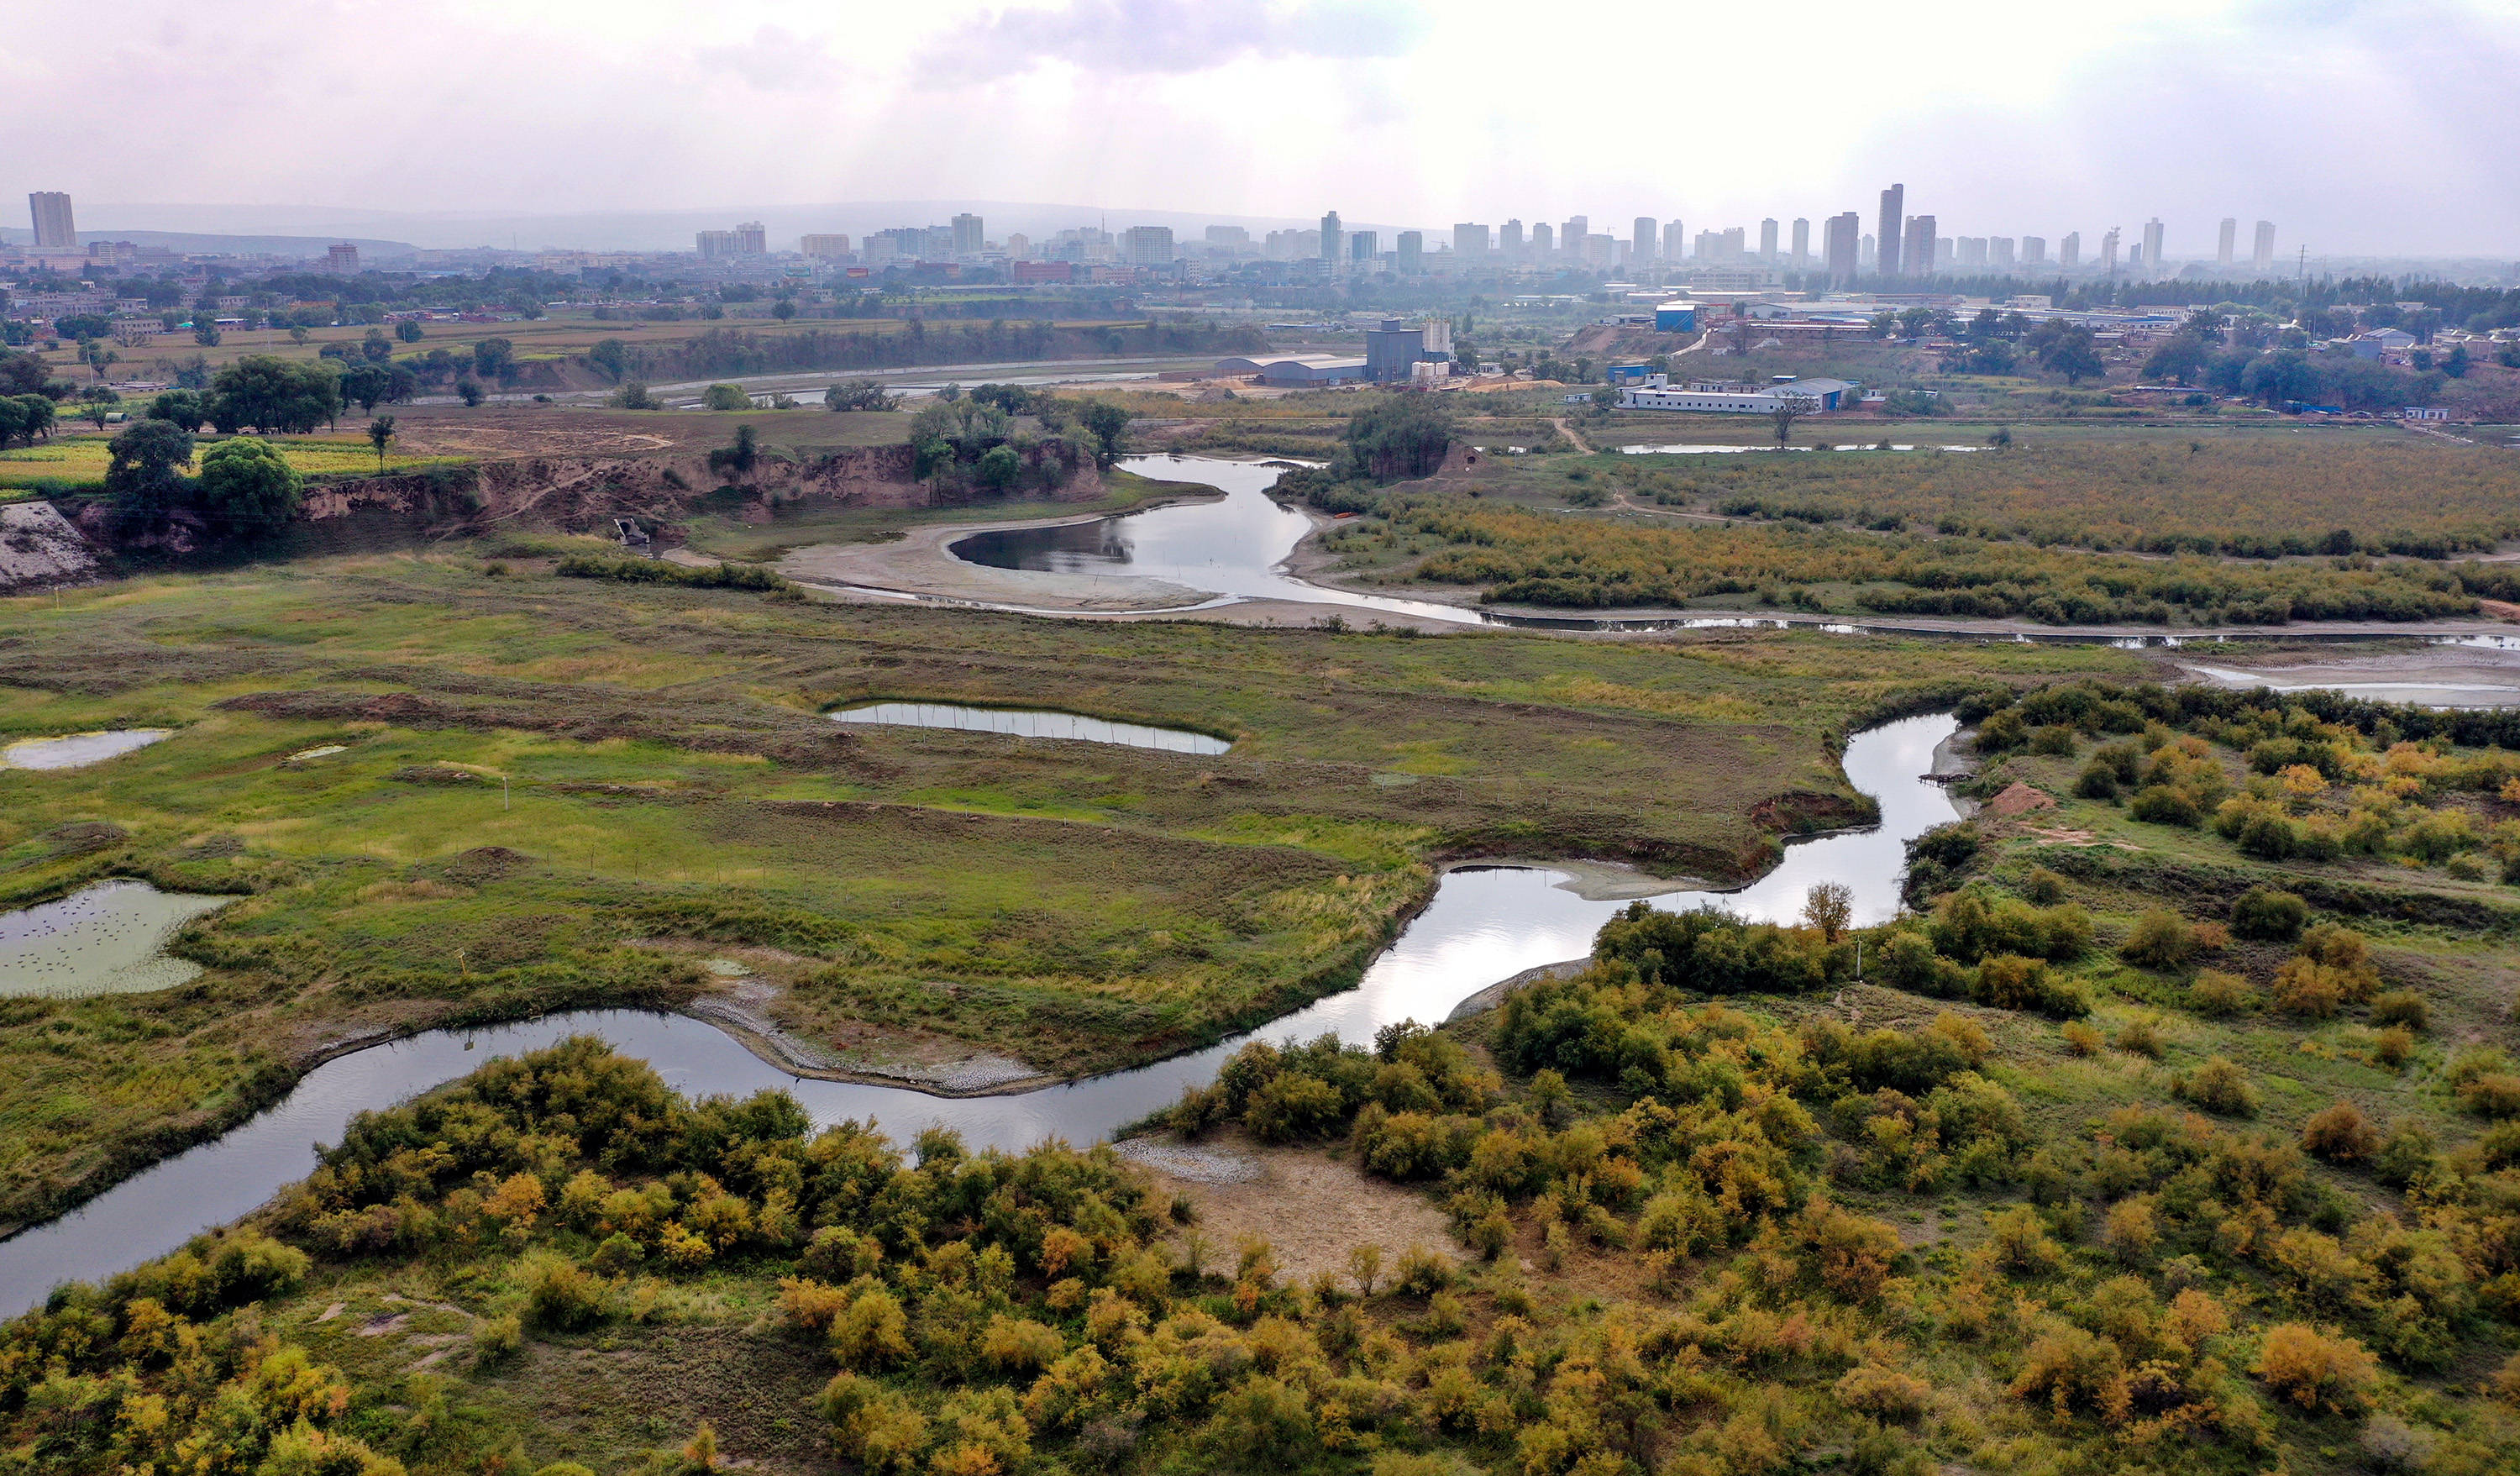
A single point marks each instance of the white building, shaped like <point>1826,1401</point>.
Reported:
<point>1656,393</point>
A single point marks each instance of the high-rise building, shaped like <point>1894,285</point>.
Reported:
<point>714,245</point>
<point>2225,242</point>
<point>1971,251</point>
<point>1018,246</point>
<point>1544,243</point>
<point>1148,246</point>
<point>1364,245</point>
<point>1894,202</point>
<point>1229,241</point>
<point>1331,236</point>
<point>342,261</point>
<point>1471,239</point>
<point>2109,250</point>
<point>1842,238</point>
<point>2152,246</point>
<point>750,240</point>
<point>53,228</point>
<point>1641,247</point>
<point>1871,255</point>
<point>1570,236</point>
<point>832,248</point>
<point>1411,257</point>
<point>1999,253</point>
<point>1916,251</point>
<point>1946,251</point>
<point>2034,250</point>
<point>1596,248</point>
<point>1801,240</point>
<point>969,239</point>
<point>1509,240</point>
<point>2069,251</point>
<point>1768,239</point>
<point>2262,254</point>
<point>1673,240</point>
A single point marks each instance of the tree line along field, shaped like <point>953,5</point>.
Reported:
<point>675,787</point>
<point>2132,1150</point>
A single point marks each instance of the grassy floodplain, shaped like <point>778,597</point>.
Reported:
<point>2113,1160</point>
<point>671,784</point>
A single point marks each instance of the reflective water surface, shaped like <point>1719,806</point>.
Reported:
<point>1233,546</point>
<point>1031,722</point>
<point>78,749</point>
<point>101,939</point>
<point>1485,923</point>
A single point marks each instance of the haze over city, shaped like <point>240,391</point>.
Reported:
<point>2366,129</point>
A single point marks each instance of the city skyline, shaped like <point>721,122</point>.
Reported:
<point>2192,113</point>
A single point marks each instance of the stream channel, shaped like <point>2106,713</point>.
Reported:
<point>1485,923</point>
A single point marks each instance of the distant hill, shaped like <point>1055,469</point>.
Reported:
<point>262,246</point>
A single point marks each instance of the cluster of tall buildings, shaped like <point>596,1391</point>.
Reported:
<point>1899,244</point>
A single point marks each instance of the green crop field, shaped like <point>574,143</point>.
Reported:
<point>69,463</point>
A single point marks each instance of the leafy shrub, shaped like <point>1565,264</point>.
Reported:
<point>2269,914</point>
<point>498,1338</point>
<point>2315,1371</point>
<point>2215,992</point>
<point>560,1293</point>
<point>2220,1086</point>
<point>2402,1006</point>
<point>1885,1393</point>
<point>2161,940</point>
<point>2340,1134</point>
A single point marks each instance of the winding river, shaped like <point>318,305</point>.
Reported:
<point>1485,923</point>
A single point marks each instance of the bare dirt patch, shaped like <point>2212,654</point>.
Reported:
<point>1311,1209</point>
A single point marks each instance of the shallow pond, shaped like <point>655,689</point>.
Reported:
<point>78,749</point>
<point>1028,721</point>
<point>1485,923</point>
<point>102,939</point>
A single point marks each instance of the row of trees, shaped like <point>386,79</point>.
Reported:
<point>978,441</point>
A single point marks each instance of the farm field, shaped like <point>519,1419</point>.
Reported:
<point>70,462</point>
<point>671,779</point>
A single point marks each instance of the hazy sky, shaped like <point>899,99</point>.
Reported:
<point>2356,125</point>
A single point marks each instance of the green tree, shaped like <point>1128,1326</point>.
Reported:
<point>380,434</point>
<point>739,458</point>
<point>999,466</point>
<point>1399,436</point>
<point>725,397</point>
<point>1108,424</point>
<point>2284,375</point>
<point>2455,363</point>
<point>182,407</point>
<point>495,359</point>
<point>96,402</point>
<point>409,331</point>
<point>247,486</point>
<point>784,309</point>
<point>468,391</point>
<point>2073,353</point>
<point>144,474</point>
<point>274,395</point>
<point>611,355</point>
<point>376,347</point>
<point>2179,359</point>
<point>858,395</point>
